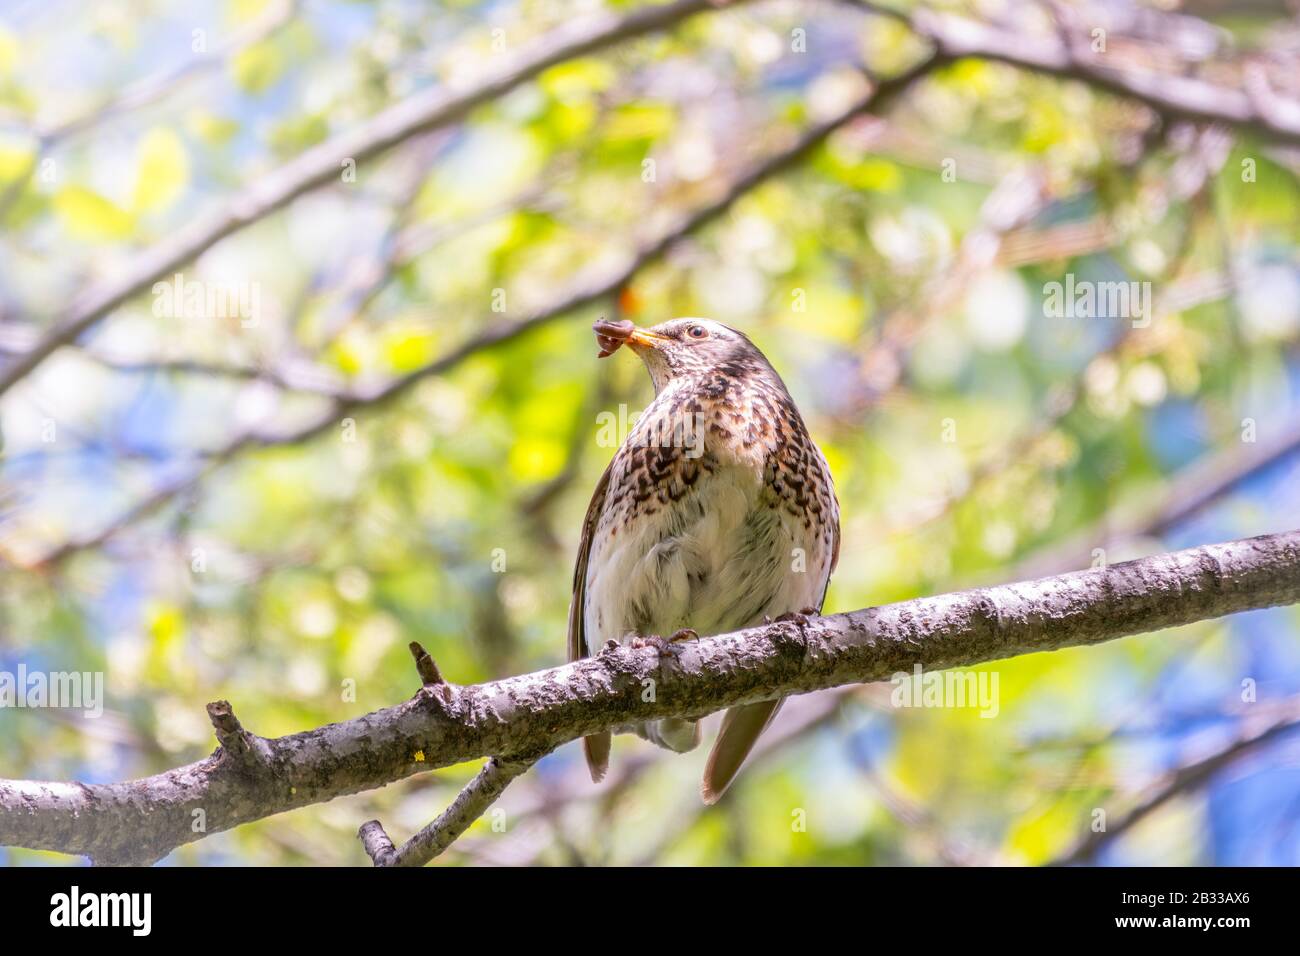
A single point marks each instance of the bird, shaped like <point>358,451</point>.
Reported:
<point>718,512</point>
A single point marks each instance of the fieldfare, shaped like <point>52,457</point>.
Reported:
<point>717,513</point>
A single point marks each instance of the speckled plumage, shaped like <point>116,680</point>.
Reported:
<point>717,512</point>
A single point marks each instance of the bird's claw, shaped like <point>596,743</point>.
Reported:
<point>652,640</point>
<point>800,620</point>
<point>795,617</point>
<point>665,646</point>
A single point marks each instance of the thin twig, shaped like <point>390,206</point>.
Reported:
<point>1190,491</point>
<point>430,676</point>
<point>1182,780</point>
<point>470,804</point>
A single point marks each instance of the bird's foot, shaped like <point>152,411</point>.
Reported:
<point>665,646</point>
<point>794,637</point>
<point>794,617</point>
<point>655,641</point>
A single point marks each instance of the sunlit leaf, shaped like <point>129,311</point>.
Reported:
<point>163,170</point>
<point>257,68</point>
<point>87,215</point>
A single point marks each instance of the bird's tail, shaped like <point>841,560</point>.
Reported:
<point>671,733</point>
<point>596,749</point>
<point>740,729</point>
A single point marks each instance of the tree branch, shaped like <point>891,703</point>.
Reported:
<point>1066,55</point>
<point>143,820</point>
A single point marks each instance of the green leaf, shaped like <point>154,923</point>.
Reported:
<point>163,170</point>
<point>87,215</point>
<point>257,68</point>
<point>8,51</point>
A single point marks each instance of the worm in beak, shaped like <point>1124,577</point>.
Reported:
<point>610,335</point>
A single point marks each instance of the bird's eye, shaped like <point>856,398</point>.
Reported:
<point>697,332</point>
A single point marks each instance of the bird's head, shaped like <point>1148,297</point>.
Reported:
<point>684,349</point>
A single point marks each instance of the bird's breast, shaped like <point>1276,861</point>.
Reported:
<point>700,527</point>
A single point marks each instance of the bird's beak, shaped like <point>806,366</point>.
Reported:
<point>610,335</point>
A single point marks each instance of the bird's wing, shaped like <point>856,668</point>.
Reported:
<point>595,747</point>
<point>835,558</point>
<point>577,624</point>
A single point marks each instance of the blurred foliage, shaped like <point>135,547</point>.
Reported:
<point>966,430</point>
